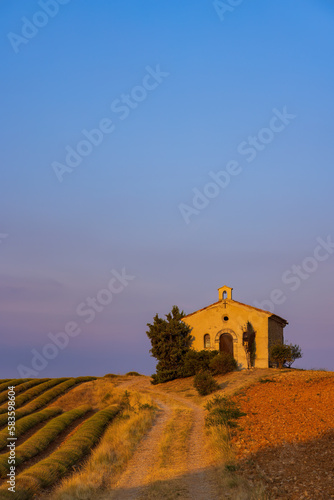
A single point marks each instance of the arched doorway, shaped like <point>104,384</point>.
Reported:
<point>226,343</point>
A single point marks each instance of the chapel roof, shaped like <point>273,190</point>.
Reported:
<point>270,314</point>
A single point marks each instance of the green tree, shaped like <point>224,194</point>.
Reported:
<point>171,340</point>
<point>249,344</point>
<point>296,353</point>
<point>280,354</point>
<point>285,354</point>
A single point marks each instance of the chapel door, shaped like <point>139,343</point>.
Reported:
<point>226,343</point>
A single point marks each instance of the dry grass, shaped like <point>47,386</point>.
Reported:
<point>167,476</point>
<point>166,490</point>
<point>232,486</point>
<point>109,459</point>
<point>165,479</point>
<point>98,393</point>
<point>218,445</point>
<point>177,430</point>
<point>223,454</point>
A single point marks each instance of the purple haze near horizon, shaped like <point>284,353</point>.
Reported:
<point>253,86</point>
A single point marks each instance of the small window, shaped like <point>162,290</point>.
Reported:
<point>207,341</point>
<point>225,318</point>
<point>225,294</point>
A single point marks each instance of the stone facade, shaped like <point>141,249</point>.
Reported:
<point>221,326</point>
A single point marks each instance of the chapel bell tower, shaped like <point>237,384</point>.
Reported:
<point>225,292</point>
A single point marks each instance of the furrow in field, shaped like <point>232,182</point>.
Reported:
<point>40,401</point>
<point>29,423</point>
<point>21,388</point>
<point>32,393</point>
<point>49,470</point>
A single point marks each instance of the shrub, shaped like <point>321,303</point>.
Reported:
<point>222,411</point>
<point>133,374</point>
<point>110,375</point>
<point>205,383</point>
<point>146,406</point>
<point>223,363</point>
<point>266,380</point>
<point>195,361</point>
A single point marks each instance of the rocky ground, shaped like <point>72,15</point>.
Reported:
<point>286,440</point>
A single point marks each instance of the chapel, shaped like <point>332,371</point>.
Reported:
<point>224,326</point>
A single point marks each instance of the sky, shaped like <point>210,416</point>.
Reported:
<point>152,152</point>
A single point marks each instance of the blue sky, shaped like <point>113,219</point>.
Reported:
<point>220,82</point>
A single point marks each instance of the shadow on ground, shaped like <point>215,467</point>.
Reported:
<point>295,471</point>
<point>218,484</point>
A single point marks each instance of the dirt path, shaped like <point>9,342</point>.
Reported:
<point>198,480</point>
<point>193,479</point>
<point>128,487</point>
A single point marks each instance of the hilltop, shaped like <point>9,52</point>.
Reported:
<point>120,437</point>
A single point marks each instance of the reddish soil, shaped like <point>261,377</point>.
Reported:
<point>287,437</point>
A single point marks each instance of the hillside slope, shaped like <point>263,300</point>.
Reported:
<point>282,448</point>
<point>284,443</point>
